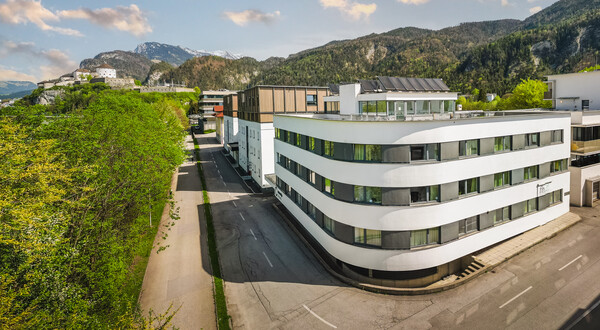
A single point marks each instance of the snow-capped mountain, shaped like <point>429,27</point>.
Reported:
<point>176,55</point>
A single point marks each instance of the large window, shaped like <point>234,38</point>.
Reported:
<point>367,236</point>
<point>278,134</point>
<point>501,215</point>
<point>425,194</point>
<point>369,152</point>
<point>557,136</point>
<point>328,186</point>
<point>502,143</point>
<point>468,225</point>
<point>311,99</point>
<point>501,179</point>
<point>312,211</point>
<point>288,137</point>
<point>299,139</point>
<point>532,140</point>
<point>328,224</point>
<point>312,144</point>
<point>469,148</point>
<point>558,166</point>
<point>424,152</point>
<point>371,195</point>
<point>530,173</point>
<point>424,237</point>
<point>469,186</point>
<point>328,148</point>
<point>312,177</point>
<point>556,197</point>
<point>530,205</point>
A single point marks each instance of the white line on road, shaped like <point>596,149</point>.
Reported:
<point>251,232</point>
<point>320,318</point>
<point>517,296</point>
<point>572,261</point>
<point>269,261</point>
<point>234,204</point>
<point>241,214</point>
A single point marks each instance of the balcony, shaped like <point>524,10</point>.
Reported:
<point>585,147</point>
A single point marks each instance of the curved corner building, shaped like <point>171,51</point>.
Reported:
<point>400,190</point>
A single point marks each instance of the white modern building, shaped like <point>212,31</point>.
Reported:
<point>398,189</point>
<point>577,94</point>
<point>256,107</point>
<point>230,125</point>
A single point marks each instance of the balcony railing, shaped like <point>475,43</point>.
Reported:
<point>585,147</point>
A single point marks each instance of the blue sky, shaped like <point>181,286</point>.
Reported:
<point>45,39</point>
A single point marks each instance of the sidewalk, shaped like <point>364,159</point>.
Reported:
<point>516,245</point>
<point>181,275</point>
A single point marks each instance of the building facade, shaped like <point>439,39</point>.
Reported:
<point>577,95</point>
<point>105,71</point>
<point>256,108</point>
<point>398,188</point>
<point>230,125</point>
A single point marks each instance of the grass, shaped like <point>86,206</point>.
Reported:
<point>208,131</point>
<point>219,294</point>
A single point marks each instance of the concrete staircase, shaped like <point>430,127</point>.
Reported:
<point>474,268</point>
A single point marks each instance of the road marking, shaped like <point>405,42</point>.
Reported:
<point>241,215</point>
<point>517,296</point>
<point>269,261</point>
<point>589,310</point>
<point>251,232</point>
<point>320,318</point>
<point>572,261</point>
<point>234,204</point>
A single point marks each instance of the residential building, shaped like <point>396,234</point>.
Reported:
<point>207,100</point>
<point>576,94</point>
<point>219,123</point>
<point>256,107</point>
<point>399,189</point>
<point>230,123</point>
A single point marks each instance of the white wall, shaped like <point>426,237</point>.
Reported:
<point>106,73</point>
<point>348,99</point>
<point>261,159</point>
<point>582,85</point>
<point>230,130</point>
<point>578,177</point>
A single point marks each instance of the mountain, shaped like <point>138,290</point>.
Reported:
<point>10,87</point>
<point>16,95</point>
<point>128,64</point>
<point>176,55</point>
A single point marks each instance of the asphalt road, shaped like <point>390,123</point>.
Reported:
<point>272,280</point>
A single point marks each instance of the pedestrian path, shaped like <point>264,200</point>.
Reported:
<point>517,244</point>
<point>180,275</point>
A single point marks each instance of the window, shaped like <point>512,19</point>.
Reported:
<point>312,145</point>
<point>298,169</point>
<point>328,224</point>
<point>370,153</point>
<point>311,99</point>
<point>501,215</point>
<point>558,166</point>
<point>424,237</point>
<point>469,148</point>
<point>557,136</point>
<point>501,179</point>
<point>298,199</point>
<point>312,211</point>
<point>424,152</point>
<point>532,140</point>
<point>367,236</point>
<point>328,148</point>
<point>328,186</point>
<point>556,197</point>
<point>468,225</point>
<point>531,205</point>
<point>278,134</point>
<point>371,195</point>
<point>288,137</point>
<point>298,139</point>
<point>502,143</point>
<point>425,194</point>
<point>312,177</point>
<point>468,186</point>
<point>530,173</point>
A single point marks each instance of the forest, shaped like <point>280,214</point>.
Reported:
<point>78,180</point>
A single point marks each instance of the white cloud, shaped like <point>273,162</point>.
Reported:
<point>505,3</point>
<point>129,19</point>
<point>534,10</point>
<point>242,18</point>
<point>8,74</point>
<point>54,62</point>
<point>353,10</point>
<point>413,2</point>
<point>31,11</point>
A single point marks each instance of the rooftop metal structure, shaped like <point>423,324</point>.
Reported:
<point>400,84</point>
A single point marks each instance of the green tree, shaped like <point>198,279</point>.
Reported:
<point>529,94</point>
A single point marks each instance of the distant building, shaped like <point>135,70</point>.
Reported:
<point>399,189</point>
<point>106,71</point>
<point>577,94</point>
<point>165,89</point>
<point>116,83</point>
<point>219,123</point>
<point>230,125</point>
<point>82,74</point>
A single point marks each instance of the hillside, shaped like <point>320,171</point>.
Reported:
<point>11,87</point>
<point>128,64</point>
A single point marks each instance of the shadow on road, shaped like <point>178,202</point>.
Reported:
<point>586,318</point>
